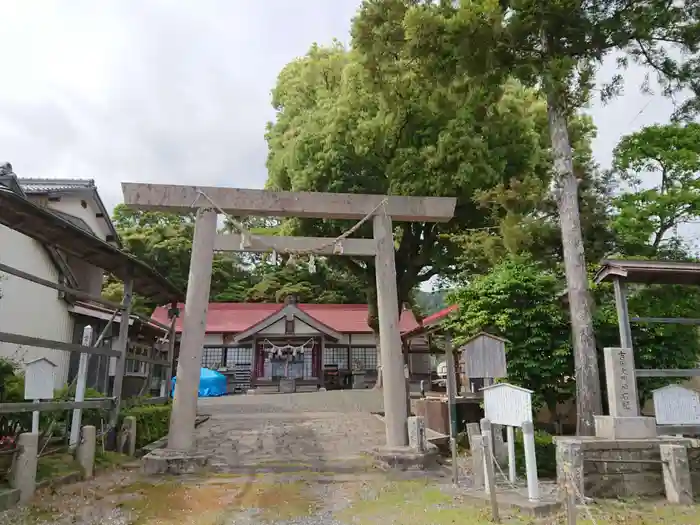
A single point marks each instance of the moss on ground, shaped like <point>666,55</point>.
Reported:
<point>421,503</point>
<point>207,504</point>
<point>107,460</point>
<point>56,465</point>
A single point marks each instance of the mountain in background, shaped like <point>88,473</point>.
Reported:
<point>430,302</point>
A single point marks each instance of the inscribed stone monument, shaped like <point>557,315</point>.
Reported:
<point>621,382</point>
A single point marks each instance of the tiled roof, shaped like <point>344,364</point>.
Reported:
<point>431,320</point>
<point>238,317</point>
<point>44,186</point>
<point>31,186</point>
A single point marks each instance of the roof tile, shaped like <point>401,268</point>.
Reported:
<point>238,317</point>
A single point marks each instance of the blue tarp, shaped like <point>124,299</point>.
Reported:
<point>211,383</point>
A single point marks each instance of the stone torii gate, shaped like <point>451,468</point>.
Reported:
<point>208,201</point>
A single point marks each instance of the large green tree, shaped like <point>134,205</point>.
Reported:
<point>555,45</point>
<point>164,241</point>
<point>659,167</point>
<point>518,300</point>
<point>337,130</point>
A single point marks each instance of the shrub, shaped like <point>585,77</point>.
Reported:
<point>63,419</point>
<point>152,422</point>
<point>545,451</point>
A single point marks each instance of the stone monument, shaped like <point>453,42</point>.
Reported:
<point>624,421</point>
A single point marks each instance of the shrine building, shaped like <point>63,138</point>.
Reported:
<point>319,345</point>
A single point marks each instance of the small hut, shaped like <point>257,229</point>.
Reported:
<point>483,359</point>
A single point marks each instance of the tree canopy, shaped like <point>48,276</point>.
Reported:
<point>667,157</point>
<point>335,130</point>
<point>164,241</point>
<point>555,46</point>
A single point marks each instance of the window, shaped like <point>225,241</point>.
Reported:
<point>363,358</point>
<point>212,358</point>
<point>135,367</point>
<point>241,355</point>
<point>336,355</point>
<point>215,358</point>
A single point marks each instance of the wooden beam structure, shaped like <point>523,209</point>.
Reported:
<point>264,203</point>
<point>184,414</point>
<point>385,211</point>
<point>232,242</point>
<point>668,372</point>
<point>53,406</point>
<point>39,342</point>
<point>61,288</point>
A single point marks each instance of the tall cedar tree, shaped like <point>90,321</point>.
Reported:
<point>555,45</point>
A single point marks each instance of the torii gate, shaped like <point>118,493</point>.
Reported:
<point>208,201</point>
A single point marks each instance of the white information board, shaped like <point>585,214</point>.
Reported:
<point>39,379</point>
<point>506,404</point>
<point>676,405</point>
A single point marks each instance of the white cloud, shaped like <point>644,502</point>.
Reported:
<point>173,91</point>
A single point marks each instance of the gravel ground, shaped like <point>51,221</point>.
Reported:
<point>345,401</point>
<point>322,431</point>
<point>252,440</point>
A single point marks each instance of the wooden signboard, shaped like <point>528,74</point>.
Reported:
<point>506,404</point>
<point>39,379</point>
<point>484,355</point>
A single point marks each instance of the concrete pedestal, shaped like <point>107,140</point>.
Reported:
<point>677,480</point>
<point>404,458</point>
<point>637,427</point>
<point>167,461</point>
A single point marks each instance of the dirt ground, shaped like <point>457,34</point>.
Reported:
<point>127,498</point>
<point>298,459</point>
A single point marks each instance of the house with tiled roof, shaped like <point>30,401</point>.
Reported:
<point>261,343</point>
<point>34,213</point>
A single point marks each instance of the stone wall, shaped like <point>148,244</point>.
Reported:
<point>600,479</point>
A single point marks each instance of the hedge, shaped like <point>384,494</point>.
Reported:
<point>152,422</point>
<point>545,452</point>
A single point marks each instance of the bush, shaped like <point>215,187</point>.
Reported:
<point>152,422</point>
<point>545,451</point>
<point>90,416</point>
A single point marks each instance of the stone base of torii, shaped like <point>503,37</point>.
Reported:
<point>180,454</point>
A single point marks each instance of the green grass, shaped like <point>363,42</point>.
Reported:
<point>108,460</point>
<point>56,465</point>
<point>419,503</point>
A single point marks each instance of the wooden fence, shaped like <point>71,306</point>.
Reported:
<point>120,352</point>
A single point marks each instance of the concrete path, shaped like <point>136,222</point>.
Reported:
<point>319,431</point>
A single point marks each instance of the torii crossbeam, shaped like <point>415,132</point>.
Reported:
<point>208,201</point>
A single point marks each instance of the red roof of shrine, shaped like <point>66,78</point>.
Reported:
<point>239,317</point>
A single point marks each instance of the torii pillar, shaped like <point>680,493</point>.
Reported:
<point>263,203</point>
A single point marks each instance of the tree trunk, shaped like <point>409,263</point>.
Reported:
<point>588,400</point>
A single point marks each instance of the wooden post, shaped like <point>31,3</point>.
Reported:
<point>181,433</point>
<point>510,434</point>
<point>394,390</point>
<point>623,316</point>
<point>533,489</point>
<point>80,390</point>
<point>120,367</point>
<point>490,481</point>
<point>570,506</point>
<point>171,350</point>
<point>451,403</point>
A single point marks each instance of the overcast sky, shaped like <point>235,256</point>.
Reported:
<point>176,91</point>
